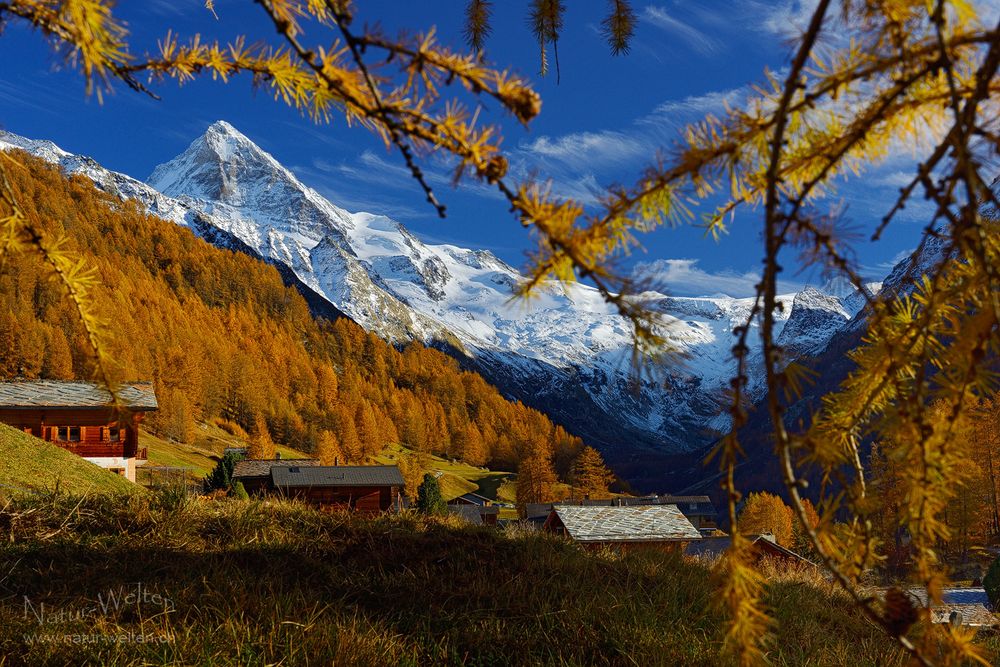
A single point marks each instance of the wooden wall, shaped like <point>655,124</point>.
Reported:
<point>93,423</point>
<point>362,499</point>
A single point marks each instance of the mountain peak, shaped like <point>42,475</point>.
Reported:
<point>223,127</point>
<point>219,165</point>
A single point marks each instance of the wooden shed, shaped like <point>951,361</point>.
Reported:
<point>81,417</point>
<point>361,488</point>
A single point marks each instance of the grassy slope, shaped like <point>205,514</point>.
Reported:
<point>202,454</point>
<point>254,583</point>
<point>456,477</point>
<point>32,464</point>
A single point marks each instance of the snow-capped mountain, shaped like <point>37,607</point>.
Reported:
<point>565,351</point>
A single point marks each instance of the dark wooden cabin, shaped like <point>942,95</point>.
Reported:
<point>360,488</point>
<point>80,417</point>
<point>255,474</point>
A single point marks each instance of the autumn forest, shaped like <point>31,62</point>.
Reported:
<point>225,339</point>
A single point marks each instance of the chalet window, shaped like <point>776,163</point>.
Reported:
<point>68,433</point>
<point>114,434</point>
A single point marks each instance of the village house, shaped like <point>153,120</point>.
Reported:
<point>480,515</point>
<point>660,527</point>
<point>471,499</point>
<point>763,547</point>
<point>80,417</point>
<point>361,488</point>
<point>475,508</point>
<point>959,606</point>
<point>255,474</point>
<point>698,509</point>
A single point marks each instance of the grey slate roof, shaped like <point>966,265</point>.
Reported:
<point>636,523</point>
<point>689,505</point>
<point>262,468</point>
<point>42,394</point>
<point>286,476</point>
<point>472,499</point>
<point>971,605</point>
<point>469,513</point>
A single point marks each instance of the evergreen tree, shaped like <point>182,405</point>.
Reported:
<point>429,499</point>
<point>239,491</point>
<point>221,476</point>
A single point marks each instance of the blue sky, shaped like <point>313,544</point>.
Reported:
<point>602,124</point>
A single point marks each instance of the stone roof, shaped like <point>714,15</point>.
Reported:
<point>689,505</point>
<point>286,476</point>
<point>262,467</point>
<point>42,394</point>
<point>469,513</point>
<point>471,499</point>
<point>636,523</point>
<point>970,606</point>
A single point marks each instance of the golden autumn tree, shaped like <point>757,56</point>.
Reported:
<point>328,449</point>
<point>914,72</point>
<point>536,481</point>
<point>260,445</point>
<point>591,477</point>
<point>767,513</point>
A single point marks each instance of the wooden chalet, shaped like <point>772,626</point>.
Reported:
<point>80,417</point>
<point>660,527</point>
<point>255,474</point>
<point>360,488</point>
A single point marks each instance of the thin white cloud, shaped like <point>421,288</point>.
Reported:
<point>683,111</point>
<point>683,277</point>
<point>696,39</point>
<point>606,147</point>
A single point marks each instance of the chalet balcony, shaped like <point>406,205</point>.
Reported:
<point>93,449</point>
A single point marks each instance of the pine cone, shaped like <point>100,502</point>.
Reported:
<point>900,612</point>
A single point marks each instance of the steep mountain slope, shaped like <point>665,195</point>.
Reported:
<point>226,342</point>
<point>565,352</point>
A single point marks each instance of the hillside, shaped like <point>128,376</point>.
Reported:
<point>241,582</point>
<point>30,464</point>
<point>565,353</point>
<point>201,455</point>
<point>222,337</point>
